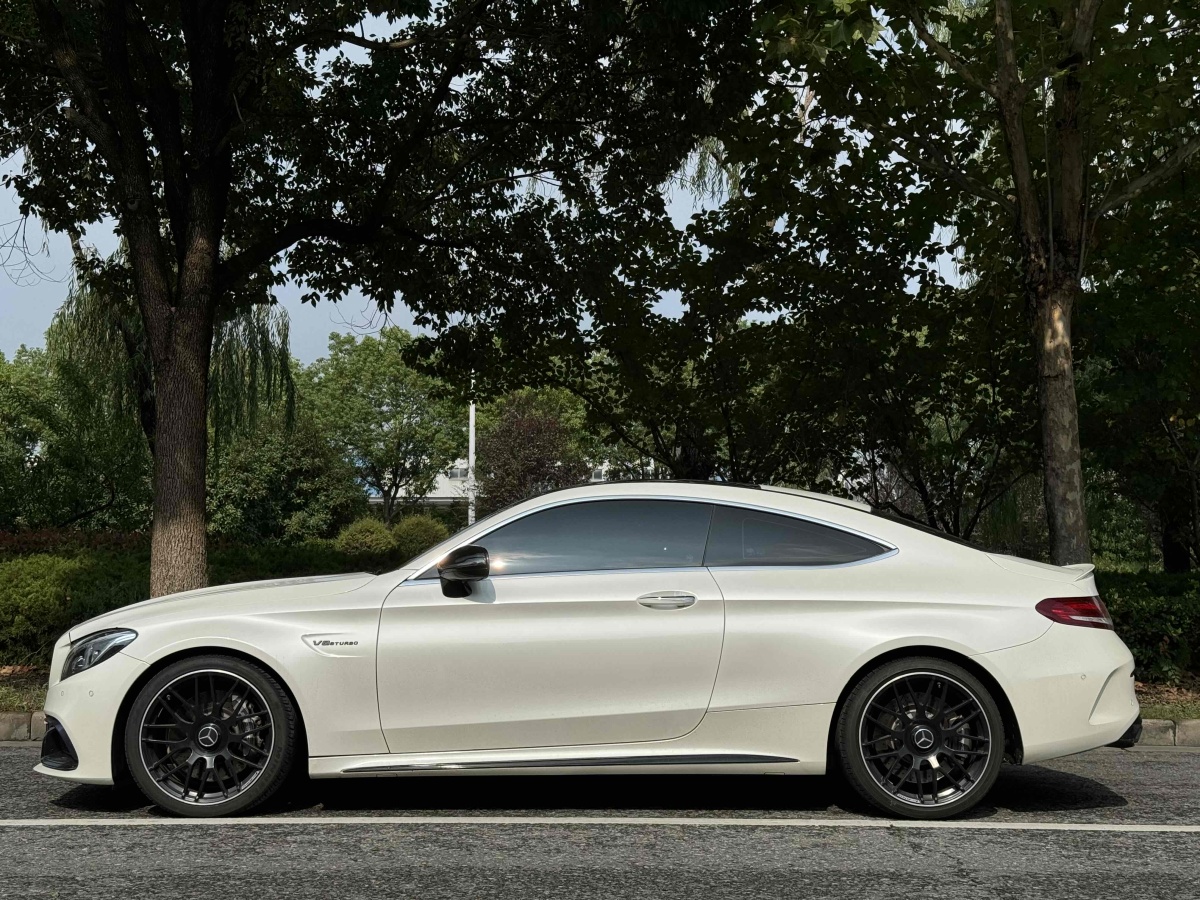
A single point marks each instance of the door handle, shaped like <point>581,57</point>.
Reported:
<point>667,600</point>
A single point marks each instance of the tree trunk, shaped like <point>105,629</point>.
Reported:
<point>1062,462</point>
<point>1174,520</point>
<point>179,556</point>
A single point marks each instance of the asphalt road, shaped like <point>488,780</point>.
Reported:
<point>1104,824</point>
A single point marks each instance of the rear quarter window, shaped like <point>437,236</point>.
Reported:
<point>747,537</point>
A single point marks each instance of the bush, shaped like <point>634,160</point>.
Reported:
<point>1158,617</point>
<point>44,594</point>
<point>366,537</point>
<point>32,608</point>
<point>416,534</point>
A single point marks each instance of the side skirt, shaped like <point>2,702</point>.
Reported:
<point>679,759</point>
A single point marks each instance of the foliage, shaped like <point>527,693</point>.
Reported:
<point>414,535</point>
<point>939,421</point>
<point>34,606</point>
<point>1123,531</point>
<point>1140,378</point>
<point>68,457</point>
<point>1016,523</point>
<point>98,330</point>
<point>43,594</point>
<point>222,138</point>
<point>527,449</point>
<point>388,420</point>
<point>1158,617</point>
<point>367,536</point>
<point>281,483</point>
<point>1014,122</point>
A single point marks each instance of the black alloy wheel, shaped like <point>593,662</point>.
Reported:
<point>210,736</point>
<point>921,738</point>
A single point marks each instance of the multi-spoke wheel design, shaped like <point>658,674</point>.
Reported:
<point>924,741</point>
<point>207,736</point>
<point>210,736</point>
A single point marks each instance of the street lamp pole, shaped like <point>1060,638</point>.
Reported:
<point>471,466</point>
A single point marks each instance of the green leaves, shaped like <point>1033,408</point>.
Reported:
<point>392,423</point>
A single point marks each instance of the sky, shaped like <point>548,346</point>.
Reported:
<point>34,285</point>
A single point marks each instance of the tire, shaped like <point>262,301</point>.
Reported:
<point>211,736</point>
<point>921,738</point>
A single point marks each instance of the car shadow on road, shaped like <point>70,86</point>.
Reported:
<point>1020,790</point>
<point>101,800</point>
<point>584,794</point>
<point>1035,789</point>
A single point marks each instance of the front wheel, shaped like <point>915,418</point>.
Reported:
<point>210,736</point>
<point>921,738</point>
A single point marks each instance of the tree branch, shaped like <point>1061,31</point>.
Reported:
<point>90,115</point>
<point>1144,182</point>
<point>163,112</point>
<point>938,165</point>
<point>349,37</point>
<point>949,57</point>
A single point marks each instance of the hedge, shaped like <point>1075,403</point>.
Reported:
<point>1158,617</point>
<point>50,581</point>
<point>42,594</point>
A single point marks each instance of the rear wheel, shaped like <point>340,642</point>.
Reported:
<point>921,738</point>
<point>210,736</point>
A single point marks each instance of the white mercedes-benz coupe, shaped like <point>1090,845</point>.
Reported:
<point>628,627</point>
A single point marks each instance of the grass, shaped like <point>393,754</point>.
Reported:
<point>22,688</point>
<point>1163,701</point>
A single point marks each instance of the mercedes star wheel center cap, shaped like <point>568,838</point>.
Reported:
<point>923,738</point>
<point>209,735</point>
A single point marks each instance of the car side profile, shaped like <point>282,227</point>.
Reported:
<point>628,627</point>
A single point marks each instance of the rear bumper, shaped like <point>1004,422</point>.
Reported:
<point>1130,737</point>
<point>1071,690</point>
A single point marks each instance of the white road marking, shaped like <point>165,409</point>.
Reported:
<point>688,822</point>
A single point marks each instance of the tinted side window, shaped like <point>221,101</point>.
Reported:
<point>601,534</point>
<point>746,537</point>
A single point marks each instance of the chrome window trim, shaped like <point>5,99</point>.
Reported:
<point>692,570</point>
<point>803,568</point>
<point>892,549</point>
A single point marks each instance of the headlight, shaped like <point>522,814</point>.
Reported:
<point>95,648</point>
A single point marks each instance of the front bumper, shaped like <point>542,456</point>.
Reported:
<point>1071,690</point>
<point>84,710</point>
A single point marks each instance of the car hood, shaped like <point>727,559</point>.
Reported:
<point>253,595</point>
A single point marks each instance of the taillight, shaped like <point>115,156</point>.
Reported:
<point>1089,612</point>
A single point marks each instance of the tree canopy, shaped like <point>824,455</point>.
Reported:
<point>391,147</point>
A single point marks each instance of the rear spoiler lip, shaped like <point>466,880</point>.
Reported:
<point>1084,569</point>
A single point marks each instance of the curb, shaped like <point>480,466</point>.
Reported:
<point>1170,733</point>
<point>23,726</point>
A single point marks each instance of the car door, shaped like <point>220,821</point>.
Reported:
<point>599,624</point>
<point>799,597</point>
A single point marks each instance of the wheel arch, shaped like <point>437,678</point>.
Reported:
<point>120,768</point>
<point>1013,745</point>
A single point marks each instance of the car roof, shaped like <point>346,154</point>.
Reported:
<point>689,487</point>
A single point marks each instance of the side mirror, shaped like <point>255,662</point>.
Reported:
<point>458,568</point>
